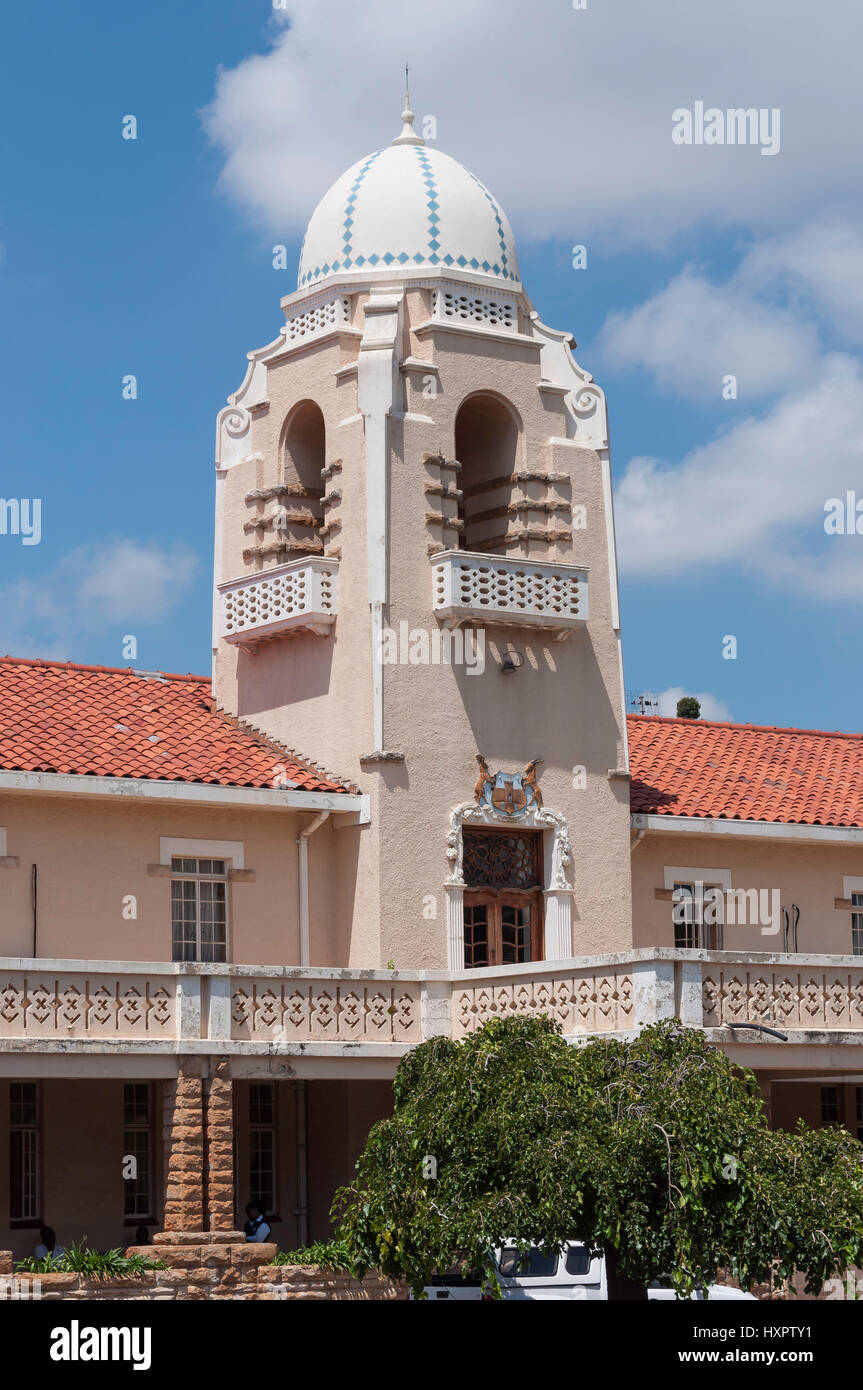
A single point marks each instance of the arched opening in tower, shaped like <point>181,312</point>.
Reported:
<point>303,458</point>
<point>487,447</point>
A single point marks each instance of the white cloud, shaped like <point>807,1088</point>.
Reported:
<point>711,708</point>
<point>122,583</point>
<point>693,333</point>
<point>822,263</point>
<point>754,496</point>
<point>565,114</point>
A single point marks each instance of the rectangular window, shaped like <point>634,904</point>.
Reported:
<point>262,1145</point>
<point>24,1152</point>
<point>199,909</point>
<point>515,933</point>
<point>501,928</point>
<point>699,921</point>
<point>138,1150</point>
<point>857,924</point>
<point>858,1096</point>
<point>475,935</point>
<point>685,926</point>
<point>831,1105</point>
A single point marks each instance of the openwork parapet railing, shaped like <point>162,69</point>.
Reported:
<point>69,1005</point>
<point>492,589</point>
<point>302,595</point>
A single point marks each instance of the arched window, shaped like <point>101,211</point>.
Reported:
<point>303,458</point>
<point>487,437</point>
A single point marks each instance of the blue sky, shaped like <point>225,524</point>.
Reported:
<point>154,257</point>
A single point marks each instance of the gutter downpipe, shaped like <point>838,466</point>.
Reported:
<point>301,1211</point>
<point>303,867</point>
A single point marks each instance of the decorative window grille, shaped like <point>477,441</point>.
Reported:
<point>262,1145</point>
<point>24,1152</point>
<point>199,909</point>
<point>309,323</point>
<point>496,860</point>
<point>138,1145</point>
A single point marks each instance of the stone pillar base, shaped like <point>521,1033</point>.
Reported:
<point>163,1238</point>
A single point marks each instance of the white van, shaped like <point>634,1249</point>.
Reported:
<point>571,1274</point>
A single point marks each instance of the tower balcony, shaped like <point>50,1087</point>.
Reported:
<point>301,596</point>
<point>479,589</point>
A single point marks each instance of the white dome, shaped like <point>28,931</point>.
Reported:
<point>408,206</point>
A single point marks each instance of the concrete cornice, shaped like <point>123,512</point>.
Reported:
<point>193,793</point>
<point>749,829</point>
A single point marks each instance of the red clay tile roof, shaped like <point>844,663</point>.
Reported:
<point>689,767</point>
<point>101,721</point>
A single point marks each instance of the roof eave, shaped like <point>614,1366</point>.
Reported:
<point>189,793</point>
<point>747,829</point>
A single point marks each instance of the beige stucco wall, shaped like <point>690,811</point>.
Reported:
<point>807,874</point>
<point>91,854</point>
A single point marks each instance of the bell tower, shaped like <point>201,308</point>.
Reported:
<point>415,578</point>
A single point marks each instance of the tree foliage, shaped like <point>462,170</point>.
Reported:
<point>688,708</point>
<point>656,1151</point>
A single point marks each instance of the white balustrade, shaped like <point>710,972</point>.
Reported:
<point>301,595</point>
<point>520,593</point>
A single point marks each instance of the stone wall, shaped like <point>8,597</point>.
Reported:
<point>211,1265</point>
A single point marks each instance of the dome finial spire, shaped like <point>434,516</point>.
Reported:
<point>408,135</point>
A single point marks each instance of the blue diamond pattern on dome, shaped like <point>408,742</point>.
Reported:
<point>432,199</point>
<point>351,203</point>
<point>339,228</point>
<point>497,217</point>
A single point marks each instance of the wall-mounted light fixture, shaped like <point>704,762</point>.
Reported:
<point>511,662</point>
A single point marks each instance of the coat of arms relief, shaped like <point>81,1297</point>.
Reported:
<point>510,793</point>
<point>506,797</point>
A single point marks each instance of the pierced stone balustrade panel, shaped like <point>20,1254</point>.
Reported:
<point>812,999</point>
<point>590,1002</point>
<point>77,1006</point>
<point>301,595</point>
<point>326,1011</point>
<point>518,593</point>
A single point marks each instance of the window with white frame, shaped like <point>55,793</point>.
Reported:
<point>199,909</point>
<point>138,1145</point>
<point>262,1144</point>
<point>25,1194</point>
<point>857,924</point>
<point>698,916</point>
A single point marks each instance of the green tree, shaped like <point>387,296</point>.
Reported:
<point>688,708</point>
<point>656,1151</point>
